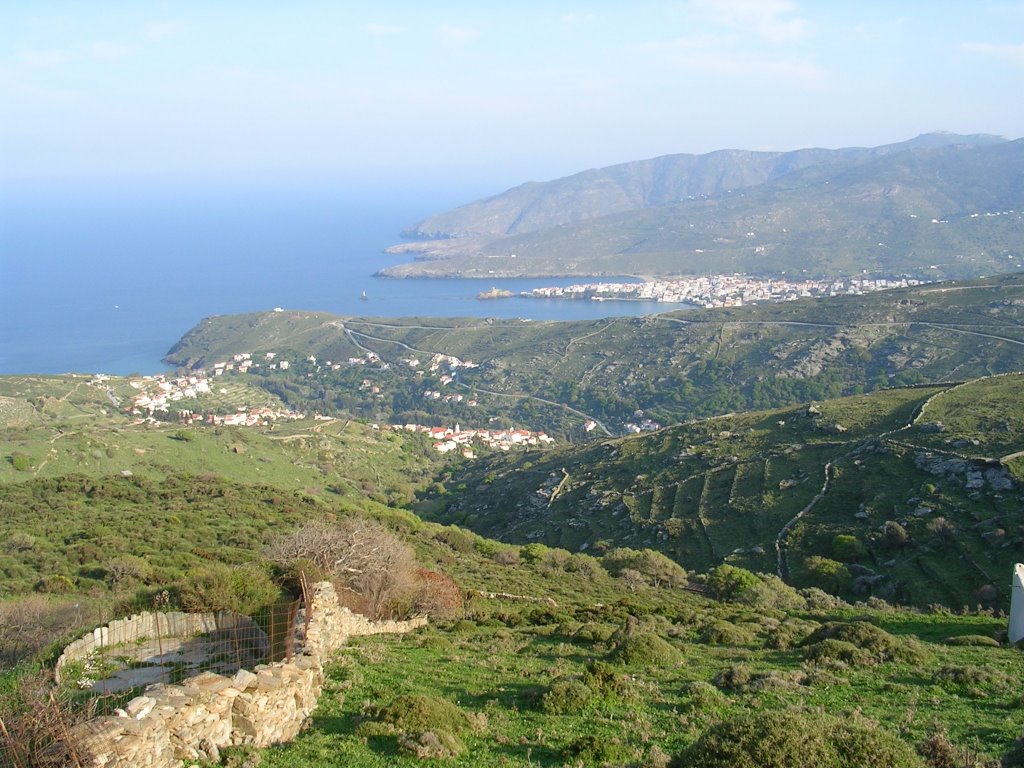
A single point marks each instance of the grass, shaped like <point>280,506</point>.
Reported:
<point>502,673</point>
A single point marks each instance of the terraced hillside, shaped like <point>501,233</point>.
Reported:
<point>911,494</point>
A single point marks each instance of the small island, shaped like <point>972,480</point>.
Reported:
<point>495,293</point>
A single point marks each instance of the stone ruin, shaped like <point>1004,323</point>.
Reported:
<point>194,719</point>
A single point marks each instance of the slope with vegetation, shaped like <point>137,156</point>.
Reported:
<point>674,366</point>
<point>910,494</point>
<point>536,655</point>
<point>942,206</point>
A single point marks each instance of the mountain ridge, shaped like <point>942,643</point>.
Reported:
<point>759,213</point>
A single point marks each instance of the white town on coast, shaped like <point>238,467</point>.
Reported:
<point>716,290</point>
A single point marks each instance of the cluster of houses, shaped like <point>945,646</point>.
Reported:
<point>448,439</point>
<point>157,393</point>
<point>721,290</point>
<point>249,417</point>
<point>642,424</point>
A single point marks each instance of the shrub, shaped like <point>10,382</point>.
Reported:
<point>979,640</point>
<point>972,676</point>
<point>848,548</point>
<point>656,569</point>
<point>864,635</point>
<point>218,587</point>
<point>20,542</point>
<point>895,534</point>
<point>439,745</point>
<point>796,740</point>
<point>594,632</point>
<point>733,677</point>
<point>941,528</point>
<point>456,538</point>
<point>533,553</point>
<point>417,713</point>
<point>127,569</point>
<point>702,697</point>
<point>939,752</point>
<point>788,633</point>
<point>21,462</point>
<point>57,584</point>
<point>838,653</point>
<point>727,582</point>
<point>438,595</point>
<point>828,574</point>
<point>739,677</point>
<point>598,750</point>
<point>507,557</point>
<point>645,650</point>
<point>772,593</point>
<point>819,600</point>
<point>424,726</point>
<point>568,696</point>
<point>726,633</point>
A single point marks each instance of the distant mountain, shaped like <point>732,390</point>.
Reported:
<point>824,211</point>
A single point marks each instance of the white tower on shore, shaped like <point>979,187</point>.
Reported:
<point>1016,633</point>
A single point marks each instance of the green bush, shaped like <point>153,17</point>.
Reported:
<point>598,750</point>
<point>848,548</point>
<point>565,697</point>
<point>978,640</point>
<point>56,584</point>
<point>215,587</point>
<point>417,713</point>
<point>656,568</point>
<point>864,635</point>
<point>456,538</point>
<point>838,653</point>
<point>726,633</point>
<point>830,575</point>
<point>21,462</point>
<point>645,650</point>
<point>796,740</point>
<point>702,697</point>
<point>727,582</point>
<point>432,745</point>
<point>972,676</point>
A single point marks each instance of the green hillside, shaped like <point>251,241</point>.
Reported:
<point>920,514</point>
<point>547,656</point>
<point>938,212</point>
<point>672,367</point>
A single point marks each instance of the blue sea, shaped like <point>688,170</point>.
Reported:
<point>106,278</point>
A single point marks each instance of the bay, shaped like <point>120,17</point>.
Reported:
<point>106,278</point>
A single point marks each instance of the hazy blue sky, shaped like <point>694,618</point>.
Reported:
<point>509,92</point>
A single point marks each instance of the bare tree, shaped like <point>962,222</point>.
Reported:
<point>363,555</point>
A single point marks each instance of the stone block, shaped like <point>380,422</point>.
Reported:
<point>243,679</point>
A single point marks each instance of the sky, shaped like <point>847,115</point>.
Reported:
<point>483,92</point>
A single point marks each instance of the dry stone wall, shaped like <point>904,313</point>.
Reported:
<point>194,720</point>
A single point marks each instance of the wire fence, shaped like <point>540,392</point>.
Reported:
<point>102,671</point>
